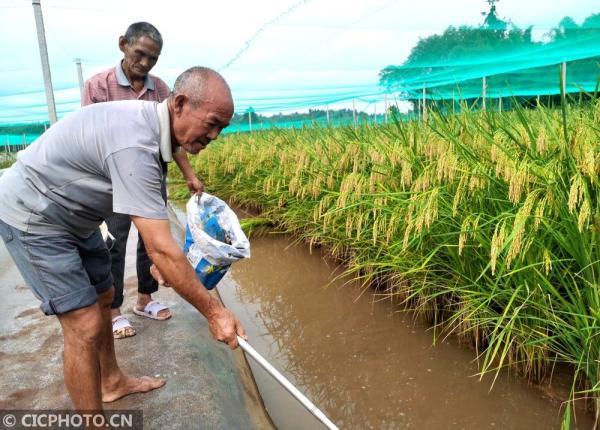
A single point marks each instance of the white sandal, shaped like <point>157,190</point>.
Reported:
<point>120,324</point>
<point>151,311</point>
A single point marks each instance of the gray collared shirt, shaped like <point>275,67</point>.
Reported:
<point>123,81</point>
<point>101,159</point>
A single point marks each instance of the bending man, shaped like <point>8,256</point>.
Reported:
<point>103,158</point>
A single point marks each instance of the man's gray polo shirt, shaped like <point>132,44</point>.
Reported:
<point>103,158</point>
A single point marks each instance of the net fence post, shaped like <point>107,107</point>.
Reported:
<point>385,107</point>
<point>424,104</point>
<point>563,74</point>
<point>375,111</point>
<point>483,91</point>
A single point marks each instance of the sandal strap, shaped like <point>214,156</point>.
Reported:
<point>120,322</point>
<point>154,307</point>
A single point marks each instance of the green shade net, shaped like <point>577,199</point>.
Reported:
<point>448,66</point>
<point>452,65</point>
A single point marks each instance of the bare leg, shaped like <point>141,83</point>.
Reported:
<point>114,383</point>
<point>81,332</point>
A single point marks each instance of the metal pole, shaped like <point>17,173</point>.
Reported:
<point>500,104</point>
<point>375,110</point>
<point>354,111</point>
<point>424,105</point>
<point>385,106</point>
<point>483,91</point>
<point>453,103</point>
<point>327,111</point>
<point>287,384</point>
<point>79,76</point>
<point>564,77</point>
<point>250,120</point>
<point>39,23</point>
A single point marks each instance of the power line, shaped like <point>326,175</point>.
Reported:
<point>260,30</point>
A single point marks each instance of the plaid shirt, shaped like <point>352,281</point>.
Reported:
<point>112,84</point>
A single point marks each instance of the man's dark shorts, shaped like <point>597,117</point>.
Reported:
<point>64,272</point>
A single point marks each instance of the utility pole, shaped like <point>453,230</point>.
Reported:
<point>79,76</point>
<point>39,23</point>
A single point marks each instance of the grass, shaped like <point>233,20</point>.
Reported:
<point>485,223</point>
<point>6,159</point>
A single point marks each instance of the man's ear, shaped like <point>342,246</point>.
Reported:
<point>122,43</point>
<point>179,103</point>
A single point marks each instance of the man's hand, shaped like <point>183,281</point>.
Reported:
<point>195,185</point>
<point>175,270</point>
<point>225,327</point>
<point>158,277</point>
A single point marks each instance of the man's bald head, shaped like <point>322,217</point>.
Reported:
<point>200,107</point>
<point>201,84</point>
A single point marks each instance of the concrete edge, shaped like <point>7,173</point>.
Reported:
<point>255,405</point>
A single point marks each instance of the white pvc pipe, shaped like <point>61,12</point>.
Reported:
<point>287,384</point>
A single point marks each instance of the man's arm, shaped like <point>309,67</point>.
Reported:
<point>193,183</point>
<point>178,273</point>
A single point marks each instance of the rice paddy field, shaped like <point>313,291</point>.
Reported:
<point>484,223</point>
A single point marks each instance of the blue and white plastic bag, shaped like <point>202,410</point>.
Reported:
<point>213,238</point>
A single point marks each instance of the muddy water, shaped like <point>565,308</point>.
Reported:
<point>363,364</point>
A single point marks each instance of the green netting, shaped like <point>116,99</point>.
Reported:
<point>452,65</point>
<point>515,62</point>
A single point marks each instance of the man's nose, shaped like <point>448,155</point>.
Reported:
<point>145,61</point>
<point>213,134</point>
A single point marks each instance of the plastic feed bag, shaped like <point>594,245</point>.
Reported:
<point>213,238</point>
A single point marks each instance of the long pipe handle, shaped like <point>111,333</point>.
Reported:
<point>287,384</point>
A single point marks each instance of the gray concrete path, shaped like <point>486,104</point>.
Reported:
<point>208,385</point>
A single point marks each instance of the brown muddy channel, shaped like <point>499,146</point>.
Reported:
<point>363,363</point>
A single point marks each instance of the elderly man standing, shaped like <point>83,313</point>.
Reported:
<point>101,159</point>
<point>131,80</point>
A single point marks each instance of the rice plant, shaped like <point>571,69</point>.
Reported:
<point>485,223</point>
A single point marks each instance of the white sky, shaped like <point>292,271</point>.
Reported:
<point>329,44</point>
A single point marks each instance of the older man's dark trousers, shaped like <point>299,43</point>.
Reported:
<point>119,226</point>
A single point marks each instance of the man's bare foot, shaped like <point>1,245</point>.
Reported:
<point>129,385</point>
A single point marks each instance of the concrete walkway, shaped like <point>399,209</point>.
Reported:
<point>208,385</point>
